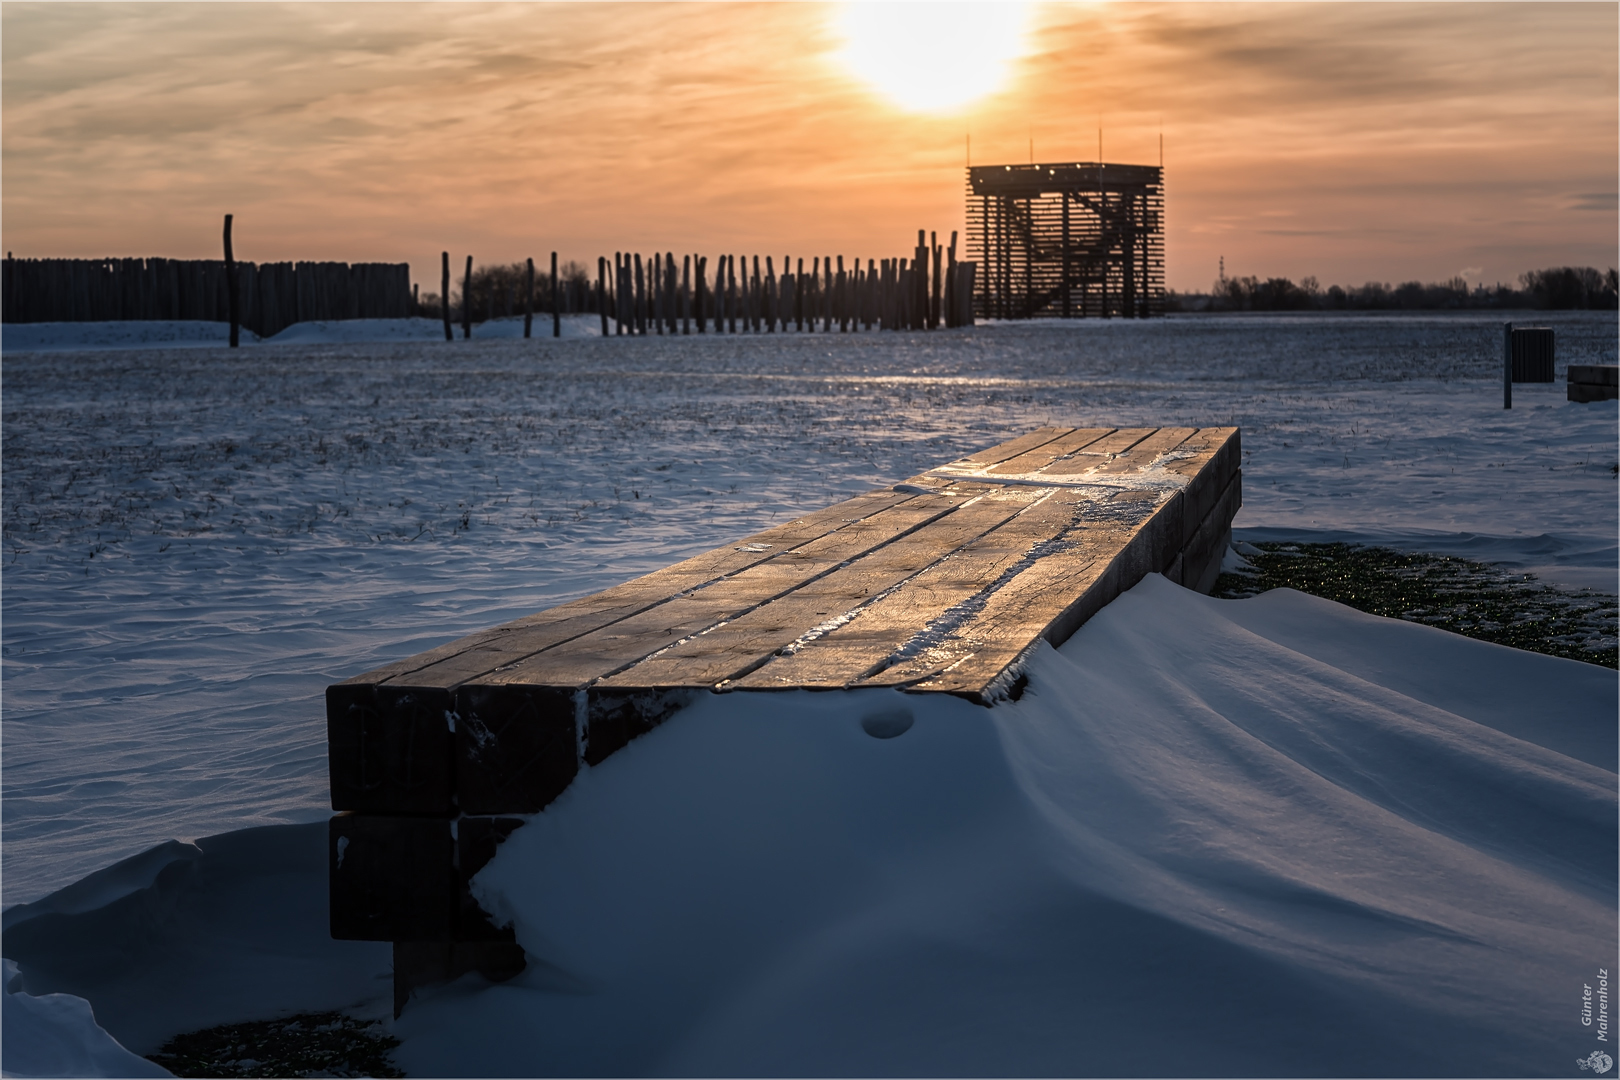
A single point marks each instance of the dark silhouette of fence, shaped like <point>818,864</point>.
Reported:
<point>273,296</point>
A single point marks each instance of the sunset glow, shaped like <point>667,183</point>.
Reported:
<point>1350,142</point>
<point>932,58</point>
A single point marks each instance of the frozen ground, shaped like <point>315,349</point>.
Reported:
<point>182,334</point>
<point>196,542</point>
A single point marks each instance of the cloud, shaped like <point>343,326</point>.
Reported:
<point>1394,140</point>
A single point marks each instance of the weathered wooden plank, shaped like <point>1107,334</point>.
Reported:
<point>661,584</point>
<point>1066,586</point>
<point>741,644</point>
<point>1042,457</point>
<point>1117,539</point>
<point>1140,456</point>
<point>602,652</point>
<point>864,641</point>
<point>1084,459</point>
<point>1013,447</point>
<point>1208,460</point>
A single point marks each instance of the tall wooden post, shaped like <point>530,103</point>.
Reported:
<point>1507,365</point>
<point>700,289</point>
<point>466,302</point>
<point>686,294</point>
<point>444,298</point>
<point>601,292</point>
<point>528,298</point>
<point>638,325</point>
<point>231,294</point>
<point>655,292</point>
<point>935,296</point>
<point>556,300</point>
<point>672,293</point>
<point>732,297</point>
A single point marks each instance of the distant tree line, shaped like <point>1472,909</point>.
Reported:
<point>498,291</point>
<point>1556,288</point>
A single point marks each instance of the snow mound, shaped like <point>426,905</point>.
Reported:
<point>229,929</point>
<point>1213,838</point>
<point>57,1035</point>
<point>1261,837</point>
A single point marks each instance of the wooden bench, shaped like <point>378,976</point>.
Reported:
<point>942,584</point>
<point>1593,382</point>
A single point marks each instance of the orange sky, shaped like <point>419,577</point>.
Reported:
<point>1353,142</point>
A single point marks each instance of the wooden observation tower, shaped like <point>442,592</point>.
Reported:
<point>1067,240</point>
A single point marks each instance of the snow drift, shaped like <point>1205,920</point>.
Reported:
<point>1270,836</point>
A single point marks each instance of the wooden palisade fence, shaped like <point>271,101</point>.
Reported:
<point>633,294</point>
<point>272,296</point>
<point>663,294</point>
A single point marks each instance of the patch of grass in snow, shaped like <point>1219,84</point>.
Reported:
<point>1474,599</point>
<point>310,1044</point>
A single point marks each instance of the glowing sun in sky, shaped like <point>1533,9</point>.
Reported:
<point>932,57</point>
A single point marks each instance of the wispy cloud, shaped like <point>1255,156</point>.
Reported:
<point>1390,138</point>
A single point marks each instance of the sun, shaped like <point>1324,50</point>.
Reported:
<point>932,57</point>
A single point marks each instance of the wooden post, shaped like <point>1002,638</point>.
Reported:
<point>444,298</point>
<point>755,297</point>
<point>871,290</point>
<point>731,293</point>
<point>655,292</point>
<point>672,293</point>
<point>934,301</point>
<point>770,296</point>
<point>528,298</point>
<point>556,300</point>
<point>700,290</point>
<point>686,294</point>
<point>1507,365</point>
<point>466,302</point>
<point>826,297</point>
<point>601,292</point>
<point>798,297</point>
<point>230,284</point>
<point>636,322</point>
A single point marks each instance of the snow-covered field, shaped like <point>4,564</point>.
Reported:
<point>1215,836</point>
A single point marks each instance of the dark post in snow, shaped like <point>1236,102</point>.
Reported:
<point>466,302</point>
<point>230,284</point>
<point>556,302</point>
<point>444,299</point>
<point>686,294</point>
<point>528,298</point>
<point>1507,365</point>
<point>601,291</point>
<point>700,266</point>
<point>936,296</point>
